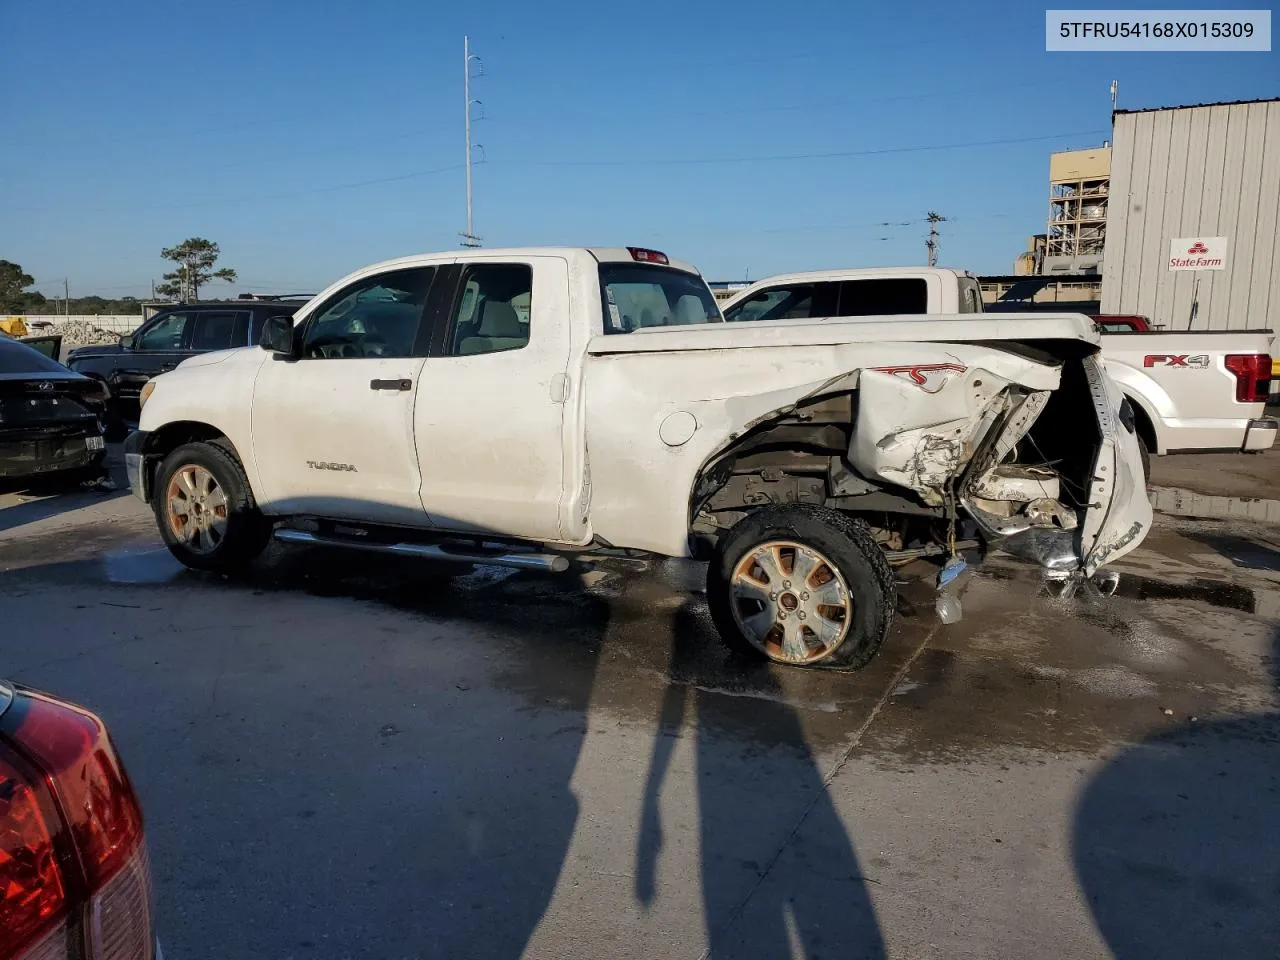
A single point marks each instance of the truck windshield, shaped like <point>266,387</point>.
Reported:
<point>642,295</point>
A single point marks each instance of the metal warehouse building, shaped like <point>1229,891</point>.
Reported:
<point>1205,178</point>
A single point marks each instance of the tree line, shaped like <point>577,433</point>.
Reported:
<point>195,259</point>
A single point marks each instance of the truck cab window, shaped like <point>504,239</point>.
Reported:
<point>802,301</point>
<point>492,312</point>
<point>374,317</point>
<point>884,297</point>
<point>636,296</point>
<point>970,296</point>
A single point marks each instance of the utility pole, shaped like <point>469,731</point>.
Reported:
<point>933,219</point>
<point>66,298</point>
<point>469,239</point>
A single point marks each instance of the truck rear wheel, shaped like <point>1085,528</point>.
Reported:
<point>205,509</point>
<point>802,585</point>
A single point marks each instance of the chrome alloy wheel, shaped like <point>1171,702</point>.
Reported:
<point>197,508</point>
<point>790,602</point>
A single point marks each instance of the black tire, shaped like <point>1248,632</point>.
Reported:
<point>845,543</point>
<point>247,531</point>
<point>1146,459</point>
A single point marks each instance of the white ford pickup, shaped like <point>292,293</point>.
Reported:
<point>1191,390</point>
<point>525,407</point>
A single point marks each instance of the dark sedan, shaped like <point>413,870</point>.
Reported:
<point>50,416</point>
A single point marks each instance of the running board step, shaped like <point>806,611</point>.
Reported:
<point>548,562</point>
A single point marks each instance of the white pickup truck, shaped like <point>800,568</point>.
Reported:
<point>1197,390</point>
<point>524,407</point>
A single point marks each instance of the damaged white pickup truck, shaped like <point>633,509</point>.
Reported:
<point>525,407</point>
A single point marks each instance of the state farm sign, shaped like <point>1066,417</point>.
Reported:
<point>1198,253</point>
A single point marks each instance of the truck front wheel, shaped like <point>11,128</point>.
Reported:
<point>205,509</point>
<point>802,585</point>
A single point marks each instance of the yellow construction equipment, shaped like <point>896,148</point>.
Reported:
<point>13,326</point>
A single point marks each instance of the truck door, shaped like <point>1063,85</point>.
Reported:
<point>490,404</point>
<point>333,430</point>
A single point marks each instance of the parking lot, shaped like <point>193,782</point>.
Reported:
<point>341,757</point>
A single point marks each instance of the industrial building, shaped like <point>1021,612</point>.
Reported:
<point>1192,234</point>
<point>1079,187</point>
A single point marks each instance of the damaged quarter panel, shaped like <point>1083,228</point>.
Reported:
<point>727,391</point>
<point>640,483</point>
<point>920,438</point>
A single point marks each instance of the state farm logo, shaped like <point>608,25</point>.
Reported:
<point>1198,253</point>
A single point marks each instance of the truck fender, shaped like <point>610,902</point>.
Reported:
<point>1147,396</point>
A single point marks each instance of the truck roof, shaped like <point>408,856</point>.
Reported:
<point>601,254</point>
<point>846,273</point>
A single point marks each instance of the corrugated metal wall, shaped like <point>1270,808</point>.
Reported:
<point>1209,171</point>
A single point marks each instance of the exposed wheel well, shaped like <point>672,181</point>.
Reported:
<point>800,456</point>
<point>160,443</point>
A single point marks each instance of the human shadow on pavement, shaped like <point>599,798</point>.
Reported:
<point>480,844</point>
<point>1248,553</point>
<point>777,865</point>
<point>1177,840</point>
<point>388,777</point>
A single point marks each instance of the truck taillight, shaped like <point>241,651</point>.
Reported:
<point>644,255</point>
<point>1253,376</point>
<point>74,878</point>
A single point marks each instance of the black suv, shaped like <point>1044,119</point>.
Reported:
<point>170,337</point>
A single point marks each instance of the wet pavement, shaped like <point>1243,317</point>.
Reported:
<point>1219,474</point>
<point>343,755</point>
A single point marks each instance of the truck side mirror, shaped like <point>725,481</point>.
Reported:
<point>277,336</point>
<point>127,341</point>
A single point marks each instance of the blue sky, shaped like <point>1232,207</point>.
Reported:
<point>310,138</point>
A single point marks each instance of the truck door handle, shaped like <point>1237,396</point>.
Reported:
<point>391,384</point>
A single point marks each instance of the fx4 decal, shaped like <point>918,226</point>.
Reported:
<point>1199,361</point>
<point>322,465</point>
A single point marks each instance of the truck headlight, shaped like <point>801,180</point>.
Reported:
<point>147,389</point>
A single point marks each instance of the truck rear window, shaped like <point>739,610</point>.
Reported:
<point>871,297</point>
<point>641,295</point>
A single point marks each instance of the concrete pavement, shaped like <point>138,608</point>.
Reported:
<point>342,757</point>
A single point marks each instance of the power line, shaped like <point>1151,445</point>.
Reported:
<point>331,149</point>
<point>273,196</point>
<point>680,161</point>
<point>769,158</point>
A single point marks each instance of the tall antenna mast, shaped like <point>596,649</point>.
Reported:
<point>933,219</point>
<point>469,239</point>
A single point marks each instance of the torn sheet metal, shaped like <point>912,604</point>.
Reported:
<point>921,439</point>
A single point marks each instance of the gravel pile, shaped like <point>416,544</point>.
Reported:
<point>82,333</point>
